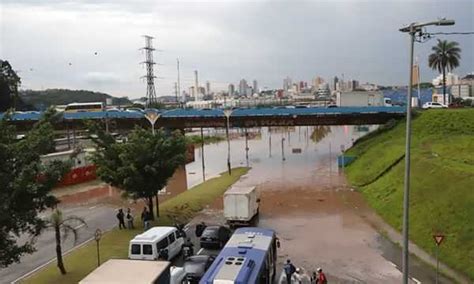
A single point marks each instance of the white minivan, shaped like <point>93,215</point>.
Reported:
<point>156,240</point>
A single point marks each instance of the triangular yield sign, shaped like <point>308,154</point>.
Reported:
<point>438,239</point>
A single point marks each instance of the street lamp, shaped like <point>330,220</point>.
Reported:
<point>411,29</point>
<point>227,113</point>
<point>283,148</point>
<point>152,116</point>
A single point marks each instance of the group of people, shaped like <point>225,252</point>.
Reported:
<point>294,275</point>
<point>122,217</point>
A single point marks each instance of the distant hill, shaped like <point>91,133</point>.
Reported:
<point>43,99</point>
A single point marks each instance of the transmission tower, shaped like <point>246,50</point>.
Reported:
<point>150,76</point>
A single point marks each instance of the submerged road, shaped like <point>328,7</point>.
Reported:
<point>97,216</point>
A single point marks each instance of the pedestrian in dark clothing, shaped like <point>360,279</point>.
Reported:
<point>200,229</point>
<point>129,218</point>
<point>146,218</point>
<point>120,217</point>
<point>289,269</point>
<point>314,278</point>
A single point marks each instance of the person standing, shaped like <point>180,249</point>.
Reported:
<point>289,269</point>
<point>146,218</point>
<point>129,218</point>
<point>321,277</point>
<point>120,217</point>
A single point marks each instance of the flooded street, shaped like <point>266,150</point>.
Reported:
<point>320,220</point>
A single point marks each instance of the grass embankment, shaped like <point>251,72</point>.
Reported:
<point>442,181</point>
<point>197,141</point>
<point>114,244</point>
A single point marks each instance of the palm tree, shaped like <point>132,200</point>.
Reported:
<point>58,223</point>
<point>445,56</point>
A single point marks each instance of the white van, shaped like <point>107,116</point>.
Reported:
<point>149,244</point>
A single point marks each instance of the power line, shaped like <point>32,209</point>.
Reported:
<point>452,33</point>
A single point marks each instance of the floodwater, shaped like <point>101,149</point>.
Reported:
<point>319,219</point>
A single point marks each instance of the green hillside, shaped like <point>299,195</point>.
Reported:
<point>46,98</point>
<point>442,181</point>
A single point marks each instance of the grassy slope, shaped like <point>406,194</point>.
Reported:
<point>442,181</point>
<point>114,244</point>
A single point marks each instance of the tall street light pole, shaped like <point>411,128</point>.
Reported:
<point>411,29</point>
<point>227,114</point>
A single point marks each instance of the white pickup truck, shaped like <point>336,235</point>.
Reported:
<point>241,205</point>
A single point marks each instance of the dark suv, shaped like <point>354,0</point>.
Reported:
<point>215,237</point>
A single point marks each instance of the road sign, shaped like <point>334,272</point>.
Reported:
<point>97,234</point>
<point>438,238</point>
<point>296,150</point>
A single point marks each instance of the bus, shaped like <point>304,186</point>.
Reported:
<point>248,257</point>
<point>85,107</point>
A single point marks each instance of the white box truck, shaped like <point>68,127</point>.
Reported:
<point>362,99</point>
<point>240,205</point>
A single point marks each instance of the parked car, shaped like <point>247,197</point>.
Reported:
<point>135,110</point>
<point>429,105</point>
<point>195,267</point>
<point>215,237</point>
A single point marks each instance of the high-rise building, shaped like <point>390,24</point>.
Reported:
<point>335,83</point>
<point>196,85</point>
<point>287,84</point>
<point>243,87</point>
<point>317,82</point>
<point>255,86</point>
<point>231,89</point>
<point>208,88</point>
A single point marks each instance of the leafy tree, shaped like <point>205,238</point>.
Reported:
<point>445,57</point>
<point>425,85</point>
<point>66,225</point>
<point>143,164</point>
<point>25,186</point>
<point>9,82</point>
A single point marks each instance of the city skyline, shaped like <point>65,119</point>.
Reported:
<point>95,45</point>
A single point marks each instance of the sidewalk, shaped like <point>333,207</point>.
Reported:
<point>393,235</point>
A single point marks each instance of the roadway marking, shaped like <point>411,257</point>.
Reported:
<point>200,251</point>
<point>92,207</point>
<point>79,226</point>
<point>416,280</point>
<point>50,261</point>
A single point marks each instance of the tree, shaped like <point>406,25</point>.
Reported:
<point>25,185</point>
<point>143,164</point>
<point>9,82</point>
<point>66,225</point>
<point>445,57</point>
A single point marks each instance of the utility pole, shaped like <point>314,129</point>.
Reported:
<point>412,30</point>
<point>150,76</point>
<point>183,99</point>
<point>176,92</point>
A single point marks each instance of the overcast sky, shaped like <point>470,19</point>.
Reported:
<point>53,43</point>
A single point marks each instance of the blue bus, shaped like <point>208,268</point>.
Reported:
<point>248,257</point>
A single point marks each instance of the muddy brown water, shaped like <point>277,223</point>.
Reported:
<point>321,221</point>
